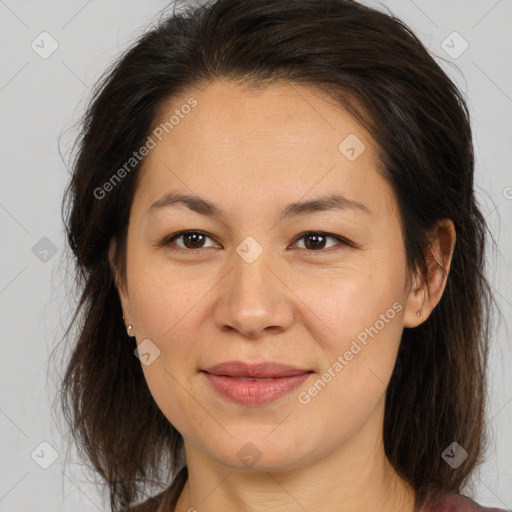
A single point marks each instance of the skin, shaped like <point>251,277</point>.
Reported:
<point>252,153</point>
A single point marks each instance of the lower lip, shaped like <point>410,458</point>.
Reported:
<point>253,392</point>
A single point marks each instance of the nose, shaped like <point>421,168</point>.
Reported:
<point>254,299</point>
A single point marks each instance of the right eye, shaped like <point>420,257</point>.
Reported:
<point>192,240</point>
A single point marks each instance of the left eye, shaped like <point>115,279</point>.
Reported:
<point>315,240</point>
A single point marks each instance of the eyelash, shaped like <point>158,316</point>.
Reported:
<point>342,241</point>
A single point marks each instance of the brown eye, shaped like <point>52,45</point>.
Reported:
<point>191,239</point>
<point>316,240</point>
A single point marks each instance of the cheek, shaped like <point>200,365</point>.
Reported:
<point>161,301</point>
<point>358,361</point>
<point>364,319</point>
<point>163,312</point>
<point>359,299</point>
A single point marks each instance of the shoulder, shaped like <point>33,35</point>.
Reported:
<point>150,505</point>
<point>458,503</point>
<point>166,499</point>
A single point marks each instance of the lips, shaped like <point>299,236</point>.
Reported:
<point>255,384</point>
<point>260,371</point>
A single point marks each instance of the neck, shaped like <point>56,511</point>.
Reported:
<point>356,478</point>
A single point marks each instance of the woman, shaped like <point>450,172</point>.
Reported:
<point>281,262</point>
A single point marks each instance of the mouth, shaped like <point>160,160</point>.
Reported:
<point>254,384</point>
<point>255,371</point>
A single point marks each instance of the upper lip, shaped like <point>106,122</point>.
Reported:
<point>263,370</point>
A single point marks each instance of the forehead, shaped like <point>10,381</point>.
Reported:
<point>279,117</point>
<point>285,140</point>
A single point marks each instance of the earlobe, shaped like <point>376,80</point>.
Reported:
<point>414,308</point>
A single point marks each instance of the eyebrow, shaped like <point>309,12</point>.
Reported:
<point>205,207</point>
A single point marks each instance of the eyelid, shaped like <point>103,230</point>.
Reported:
<point>342,242</point>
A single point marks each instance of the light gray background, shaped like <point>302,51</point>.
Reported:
<point>40,99</point>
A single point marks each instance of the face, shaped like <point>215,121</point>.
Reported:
<point>248,281</point>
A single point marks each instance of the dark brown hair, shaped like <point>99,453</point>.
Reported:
<point>373,66</point>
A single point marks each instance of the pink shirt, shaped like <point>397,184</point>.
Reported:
<point>451,503</point>
<point>459,503</point>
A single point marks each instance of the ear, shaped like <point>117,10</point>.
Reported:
<point>119,282</point>
<point>426,293</point>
